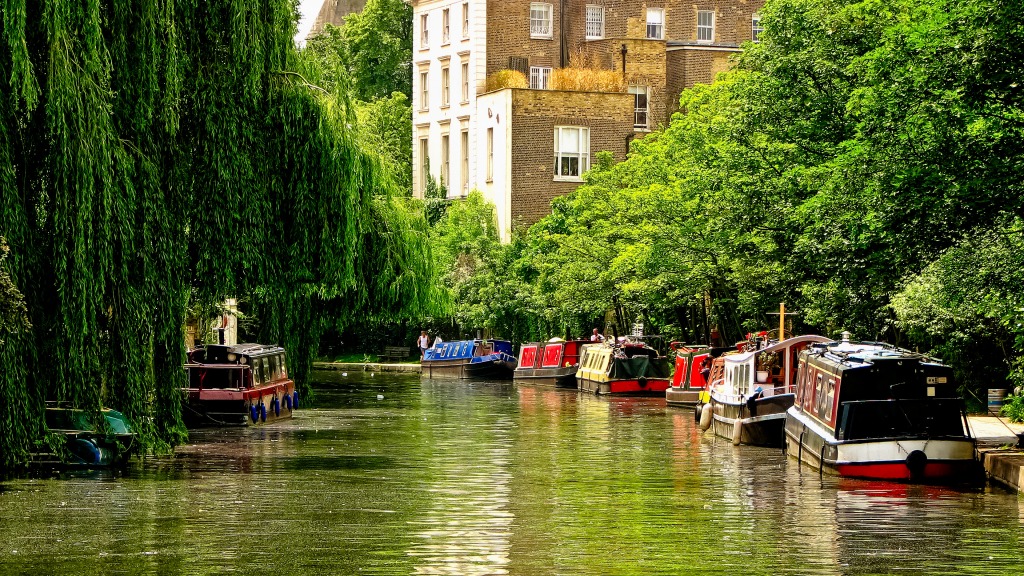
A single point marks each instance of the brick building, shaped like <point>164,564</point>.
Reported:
<point>523,147</point>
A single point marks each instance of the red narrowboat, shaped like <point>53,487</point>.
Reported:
<point>238,385</point>
<point>693,363</point>
<point>551,363</point>
<point>872,410</point>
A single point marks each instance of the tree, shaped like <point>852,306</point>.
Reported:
<point>379,45</point>
<point>151,151</point>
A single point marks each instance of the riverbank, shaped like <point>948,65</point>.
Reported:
<point>998,451</point>
<point>367,367</point>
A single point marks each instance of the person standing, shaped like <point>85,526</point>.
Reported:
<point>596,336</point>
<point>423,342</point>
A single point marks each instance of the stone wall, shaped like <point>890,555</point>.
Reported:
<point>334,12</point>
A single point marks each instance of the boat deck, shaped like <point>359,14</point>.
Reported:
<point>997,451</point>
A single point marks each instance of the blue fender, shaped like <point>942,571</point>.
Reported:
<point>263,412</point>
<point>276,405</point>
<point>288,401</point>
<point>254,413</point>
<point>295,400</point>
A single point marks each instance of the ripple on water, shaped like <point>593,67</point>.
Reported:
<point>491,478</point>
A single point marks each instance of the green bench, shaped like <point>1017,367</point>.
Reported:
<point>395,353</point>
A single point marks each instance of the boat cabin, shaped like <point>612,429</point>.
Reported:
<point>874,390</point>
<point>463,349</point>
<point>555,353</point>
<point>241,366</point>
<point>765,372</point>
<point>630,360</point>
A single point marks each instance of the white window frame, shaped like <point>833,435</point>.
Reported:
<point>755,28</point>
<point>424,164</point>
<point>446,86</point>
<point>424,89</point>
<point>645,110</point>
<point>539,24</point>
<point>446,26</point>
<point>465,82</point>
<point>594,29</point>
<point>465,20</point>
<point>540,77</point>
<point>657,33</point>
<point>490,154</point>
<point>424,31</point>
<point>464,165</point>
<point>705,30</point>
<point>564,134</point>
<point>446,156</point>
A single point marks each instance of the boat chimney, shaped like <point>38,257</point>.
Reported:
<point>846,336</point>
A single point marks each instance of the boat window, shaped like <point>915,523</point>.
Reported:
<point>829,399</point>
<point>820,400</point>
<point>817,390</point>
<point>272,368</point>
<point>284,368</point>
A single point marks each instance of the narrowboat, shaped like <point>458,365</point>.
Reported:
<point>628,367</point>
<point>238,385</point>
<point>484,359</point>
<point>872,410</point>
<point>692,368</point>
<point>83,445</point>
<point>751,389</point>
<point>551,363</point>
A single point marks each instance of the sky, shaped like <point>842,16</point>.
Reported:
<point>308,9</point>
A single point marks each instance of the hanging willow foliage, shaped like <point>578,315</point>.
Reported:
<point>153,149</point>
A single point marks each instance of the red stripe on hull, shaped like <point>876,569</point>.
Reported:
<point>633,386</point>
<point>899,471</point>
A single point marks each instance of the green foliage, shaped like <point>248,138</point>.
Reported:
<point>1013,408</point>
<point>379,45</point>
<point>384,128</point>
<point>160,156</point>
<point>862,163</point>
<point>13,313</point>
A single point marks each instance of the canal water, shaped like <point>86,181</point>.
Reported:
<point>394,475</point>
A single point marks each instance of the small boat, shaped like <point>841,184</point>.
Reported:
<point>692,368</point>
<point>238,385</point>
<point>551,363</point>
<point>484,359</point>
<point>872,410</point>
<point>751,389</point>
<point>84,445</point>
<point>629,367</point>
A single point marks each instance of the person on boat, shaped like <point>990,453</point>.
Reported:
<point>438,341</point>
<point>423,342</point>
<point>596,336</point>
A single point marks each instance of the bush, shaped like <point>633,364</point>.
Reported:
<point>1013,408</point>
<point>587,80</point>
<point>505,79</point>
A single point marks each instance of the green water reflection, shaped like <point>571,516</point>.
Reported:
<point>491,478</point>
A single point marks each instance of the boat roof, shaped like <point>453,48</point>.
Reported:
<point>857,354</point>
<point>741,357</point>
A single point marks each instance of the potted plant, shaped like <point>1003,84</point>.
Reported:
<point>766,364</point>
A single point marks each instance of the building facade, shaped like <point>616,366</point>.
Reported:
<point>523,147</point>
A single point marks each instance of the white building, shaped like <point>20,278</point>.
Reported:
<point>449,66</point>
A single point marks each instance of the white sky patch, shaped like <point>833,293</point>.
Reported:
<point>308,10</point>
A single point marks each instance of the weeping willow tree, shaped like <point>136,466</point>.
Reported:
<point>155,149</point>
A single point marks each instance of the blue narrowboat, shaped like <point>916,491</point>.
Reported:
<point>486,359</point>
